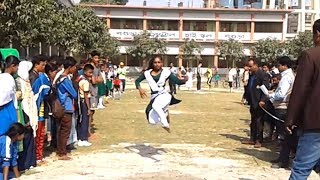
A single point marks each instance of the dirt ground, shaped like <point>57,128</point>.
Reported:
<point>204,144</point>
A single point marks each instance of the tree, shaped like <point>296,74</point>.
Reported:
<point>231,50</point>
<point>143,46</point>
<point>269,50</point>
<point>190,50</point>
<point>300,43</point>
<point>25,21</point>
<point>75,29</point>
<point>108,46</point>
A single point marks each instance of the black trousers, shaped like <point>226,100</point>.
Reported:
<point>173,88</point>
<point>198,82</point>
<point>245,94</point>
<point>256,126</point>
<point>289,142</point>
<point>123,84</point>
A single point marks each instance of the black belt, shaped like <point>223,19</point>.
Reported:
<point>154,92</point>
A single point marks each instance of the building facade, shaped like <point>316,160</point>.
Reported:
<point>204,25</point>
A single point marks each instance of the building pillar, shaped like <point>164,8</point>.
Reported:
<point>252,28</point>
<point>216,61</point>
<point>180,26</point>
<point>108,19</point>
<point>284,26</point>
<point>264,4</point>
<point>303,16</point>
<point>50,50</point>
<point>286,3</point>
<point>216,50</point>
<point>145,27</point>
<point>40,48</point>
<point>316,6</point>
<point>180,59</point>
<point>272,4</point>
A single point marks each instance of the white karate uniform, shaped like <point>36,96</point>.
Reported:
<point>162,99</point>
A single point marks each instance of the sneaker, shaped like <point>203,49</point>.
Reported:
<point>80,143</point>
<point>101,107</point>
<point>86,143</point>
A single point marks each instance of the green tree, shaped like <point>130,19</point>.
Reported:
<point>300,43</point>
<point>190,50</point>
<point>269,50</point>
<point>25,21</point>
<point>231,50</point>
<point>76,29</point>
<point>108,46</point>
<point>143,47</point>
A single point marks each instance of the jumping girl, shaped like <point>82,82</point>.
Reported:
<point>156,76</point>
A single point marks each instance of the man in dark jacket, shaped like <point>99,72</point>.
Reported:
<point>303,109</point>
<point>256,96</point>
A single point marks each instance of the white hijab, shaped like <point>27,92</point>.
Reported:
<point>23,70</point>
<point>8,89</point>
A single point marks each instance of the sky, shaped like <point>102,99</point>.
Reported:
<point>174,3</point>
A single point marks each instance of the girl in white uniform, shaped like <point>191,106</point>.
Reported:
<point>157,110</point>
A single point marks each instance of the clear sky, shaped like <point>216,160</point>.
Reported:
<point>174,3</point>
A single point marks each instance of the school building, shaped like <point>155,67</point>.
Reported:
<point>204,25</point>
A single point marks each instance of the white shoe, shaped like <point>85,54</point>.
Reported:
<point>86,143</point>
<point>101,107</point>
<point>80,143</point>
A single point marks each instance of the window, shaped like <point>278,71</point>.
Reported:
<point>155,25</point>
<point>271,27</point>
<point>186,25</point>
<point>235,26</point>
<point>163,25</point>
<point>115,23</point>
<point>199,26</point>
<point>173,25</point>
<point>132,24</point>
<point>126,23</point>
<point>292,23</point>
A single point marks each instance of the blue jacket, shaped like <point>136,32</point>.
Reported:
<point>41,88</point>
<point>66,94</point>
<point>8,152</point>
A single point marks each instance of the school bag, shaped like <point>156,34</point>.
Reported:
<point>57,109</point>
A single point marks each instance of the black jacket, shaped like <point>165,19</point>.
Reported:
<point>255,94</point>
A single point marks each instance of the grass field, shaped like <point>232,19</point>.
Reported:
<point>206,127</point>
<point>215,119</point>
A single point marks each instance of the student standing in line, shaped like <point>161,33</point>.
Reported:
<point>39,62</point>
<point>9,67</point>
<point>102,86</point>
<point>66,94</point>
<point>28,116</point>
<point>41,88</point>
<point>84,92</point>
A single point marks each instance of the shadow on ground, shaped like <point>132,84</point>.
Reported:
<point>263,155</point>
<point>146,151</point>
